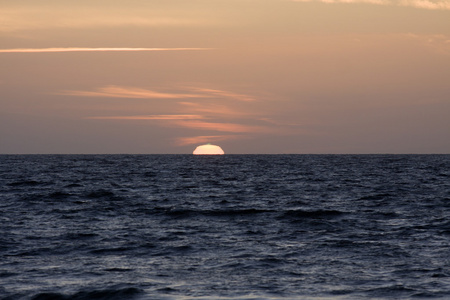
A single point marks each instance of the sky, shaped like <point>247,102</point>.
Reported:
<point>253,76</point>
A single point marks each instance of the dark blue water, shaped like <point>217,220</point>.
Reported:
<point>229,227</point>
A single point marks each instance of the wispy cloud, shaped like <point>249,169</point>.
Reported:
<point>150,117</point>
<point>202,139</point>
<point>380,2</point>
<point>214,109</point>
<point>423,4</point>
<point>49,50</point>
<point>213,114</point>
<point>223,127</point>
<point>114,91</point>
<point>226,94</point>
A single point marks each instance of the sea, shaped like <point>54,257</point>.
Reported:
<point>328,227</point>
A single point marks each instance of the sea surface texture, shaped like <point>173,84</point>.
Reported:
<point>229,227</point>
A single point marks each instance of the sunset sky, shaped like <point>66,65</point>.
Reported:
<point>253,76</point>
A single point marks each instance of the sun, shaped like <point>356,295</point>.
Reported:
<point>208,149</point>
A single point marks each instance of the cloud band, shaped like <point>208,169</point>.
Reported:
<point>50,50</point>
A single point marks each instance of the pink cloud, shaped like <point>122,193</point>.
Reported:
<point>423,4</point>
<point>151,117</point>
<point>202,139</point>
<point>73,49</point>
<point>213,109</point>
<point>225,94</point>
<point>113,91</point>
<point>224,127</point>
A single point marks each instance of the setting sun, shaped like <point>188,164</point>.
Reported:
<point>208,149</point>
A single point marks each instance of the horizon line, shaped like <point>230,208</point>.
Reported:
<point>288,153</point>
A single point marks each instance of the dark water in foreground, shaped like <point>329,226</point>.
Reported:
<point>233,226</point>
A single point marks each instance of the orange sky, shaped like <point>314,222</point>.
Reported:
<point>253,76</point>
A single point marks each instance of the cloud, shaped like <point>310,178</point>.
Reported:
<point>151,117</point>
<point>49,50</point>
<point>213,109</point>
<point>202,139</point>
<point>235,116</point>
<point>380,2</point>
<point>113,91</point>
<point>225,94</point>
<point>223,127</point>
<point>423,4</point>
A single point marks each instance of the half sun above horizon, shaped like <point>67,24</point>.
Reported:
<point>208,149</point>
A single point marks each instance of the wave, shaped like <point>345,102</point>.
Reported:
<point>106,294</point>
<point>381,196</point>
<point>185,213</point>
<point>313,214</point>
<point>26,183</point>
<point>246,212</point>
<point>111,250</point>
<point>100,194</point>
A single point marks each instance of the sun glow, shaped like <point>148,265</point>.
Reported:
<point>208,149</point>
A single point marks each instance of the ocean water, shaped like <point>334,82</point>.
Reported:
<point>224,227</point>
